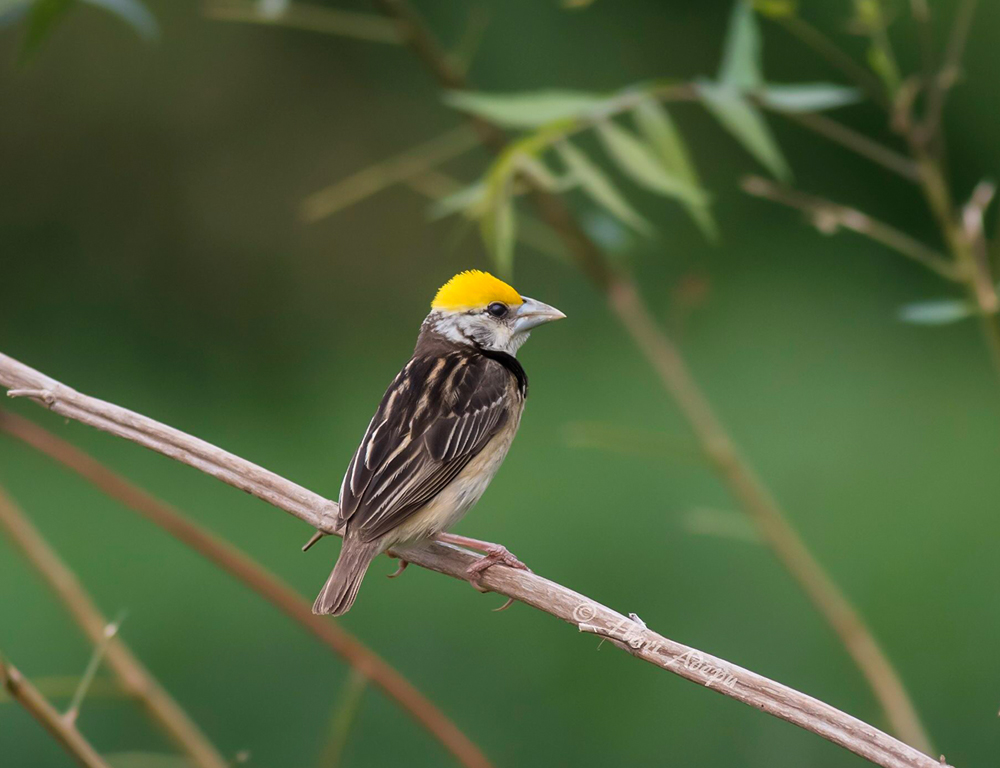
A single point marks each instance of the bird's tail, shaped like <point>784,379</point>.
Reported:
<point>337,595</point>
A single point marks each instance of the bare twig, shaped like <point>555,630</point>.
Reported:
<point>311,18</point>
<point>547,596</point>
<point>972,223</point>
<point>135,678</point>
<point>660,351</point>
<point>941,84</point>
<point>856,142</point>
<point>403,167</point>
<point>64,732</point>
<point>827,217</point>
<point>266,584</point>
<point>90,673</point>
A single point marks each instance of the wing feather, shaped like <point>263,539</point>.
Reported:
<point>439,412</point>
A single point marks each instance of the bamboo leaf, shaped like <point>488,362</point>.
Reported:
<point>659,130</point>
<point>497,226</point>
<point>525,110</point>
<point>595,183</point>
<point>808,97</point>
<point>43,17</point>
<point>637,161</point>
<point>936,312</point>
<point>741,54</point>
<point>133,13</point>
<point>776,9</point>
<point>12,11</point>
<point>468,200</point>
<point>745,122</point>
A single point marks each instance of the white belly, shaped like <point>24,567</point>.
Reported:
<point>461,494</point>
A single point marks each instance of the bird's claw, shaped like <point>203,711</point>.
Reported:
<point>496,554</point>
<point>402,567</point>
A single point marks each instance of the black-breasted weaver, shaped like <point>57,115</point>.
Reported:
<point>440,433</point>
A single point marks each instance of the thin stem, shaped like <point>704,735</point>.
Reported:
<point>921,13</point>
<point>978,279</point>
<point>580,611</point>
<point>835,56</point>
<point>253,575</point>
<point>310,18</point>
<point>856,142</point>
<point>931,130</point>
<point>345,714</point>
<point>24,693</point>
<point>135,678</point>
<point>400,168</point>
<point>83,689</point>
<point>827,217</point>
<point>755,498</point>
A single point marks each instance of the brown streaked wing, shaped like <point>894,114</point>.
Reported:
<point>438,413</point>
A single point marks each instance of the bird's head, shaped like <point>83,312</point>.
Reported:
<point>478,309</point>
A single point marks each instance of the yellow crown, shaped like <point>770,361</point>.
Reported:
<point>473,289</point>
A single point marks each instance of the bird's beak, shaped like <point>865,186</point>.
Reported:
<point>532,314</point>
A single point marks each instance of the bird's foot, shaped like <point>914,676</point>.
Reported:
<point>399,569</point>
<point>493,554</point>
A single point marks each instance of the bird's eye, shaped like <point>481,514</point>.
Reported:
<point>497,309</point>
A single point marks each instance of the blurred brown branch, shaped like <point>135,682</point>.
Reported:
<point>827,217</point>
<point>135,678</point>
<point>735,470</point>
<point>24,693</point>
<point>587,615</point>
<point>266,584</point>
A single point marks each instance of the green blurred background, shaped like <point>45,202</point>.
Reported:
<point>151,254</point>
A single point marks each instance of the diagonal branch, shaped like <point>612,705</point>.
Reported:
<point>827,216</point>
<point>587,615</point>
<point>135,678</point>
<point>661,352</point>
<point>266,584</point>
<point>24,693</point>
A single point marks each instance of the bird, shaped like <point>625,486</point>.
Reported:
<point>439,434</point>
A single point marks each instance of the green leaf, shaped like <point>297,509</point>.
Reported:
<point>776,9</point>
<point>497,225</point>
<point>12,11</point>
<point>133,13</point>
<point>808,97</point>
<point>468,200</point>
<point>659,130</point>
<point>600,188</point>
<point>936,312</point>
<point>883,66</point>
<point>741,54</point>
<point>745,122</point>
<point>637,160</point>
<point>525,110</point>
<point>43,17</point>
